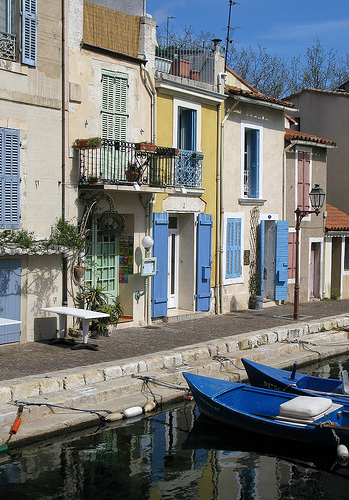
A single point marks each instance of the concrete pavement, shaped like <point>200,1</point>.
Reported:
<point>43,375</point>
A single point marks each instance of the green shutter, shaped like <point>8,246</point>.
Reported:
<point>114,106</point>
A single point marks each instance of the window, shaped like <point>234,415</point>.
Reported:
<point>291,256</point>
<point>9,179</point>
<point>303,180</point>
<point>10,38</point>
<point>186,125</point>
<point>233,230</point>
<point>187,129</point>
<point>251,161</point>
<point>346,254</point>
<point>114,106</point>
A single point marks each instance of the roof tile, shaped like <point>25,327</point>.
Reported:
<point>303,136</point>
<point>336,219</point>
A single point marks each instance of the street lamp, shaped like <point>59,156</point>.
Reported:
<point>317,198</point>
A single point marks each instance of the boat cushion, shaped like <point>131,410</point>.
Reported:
<point>305,407</point>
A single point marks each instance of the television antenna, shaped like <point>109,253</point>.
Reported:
<point>229,28</point>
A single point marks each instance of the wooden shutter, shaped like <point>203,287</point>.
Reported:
<point>260,263</point>
<point>203,270</point>
<point>29,32</point>
<point>160,251</point>
<point>291,256</point>
<point>281,264</point>
<point>233,249</point>
<point>254,163</point>
<point>9,179</point>
<point>114,106</point>
<point>303,181</point>
<point>10,298</point>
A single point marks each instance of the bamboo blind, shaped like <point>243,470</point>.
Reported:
<point>111,29</point>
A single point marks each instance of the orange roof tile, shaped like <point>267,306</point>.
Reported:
<point>255,94</point>
<point>336,219</point>
<point>294,135</point>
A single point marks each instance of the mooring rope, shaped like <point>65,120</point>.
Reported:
<point>50,406</point>
<point>160,382</point>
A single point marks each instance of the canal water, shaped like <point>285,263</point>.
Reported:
<point>175,454</point>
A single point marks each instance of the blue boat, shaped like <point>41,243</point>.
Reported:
<point>298,383</point>
<point>279,415</point>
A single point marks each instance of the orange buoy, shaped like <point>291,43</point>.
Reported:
<point>16,425</point>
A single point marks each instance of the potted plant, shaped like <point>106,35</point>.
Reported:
<point>92,179</point>
<point>133,172</point>
<point>254,285</point>
<point>90,143</point>
<point>79,272</point>
<point>145,146</point>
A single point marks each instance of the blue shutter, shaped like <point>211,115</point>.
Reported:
<point>9,179</point>
<point>191,130</point>
<point>281,265</point>
<point>203,270</point>
<point>261,254</point>
<point>160,250</point>
<point>10,298</point>
<point>29,32</point>
<point>254,163</point>
<point>233,249</point>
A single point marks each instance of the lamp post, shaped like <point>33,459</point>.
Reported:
<point>317,198</point>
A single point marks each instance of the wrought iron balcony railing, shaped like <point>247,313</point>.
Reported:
<point>120,162</point>
<point>185,60</point>
<point>7,46</point>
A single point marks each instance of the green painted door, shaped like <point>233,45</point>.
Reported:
<point>102,262</point>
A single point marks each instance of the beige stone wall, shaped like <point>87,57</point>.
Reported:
<point>311,226</point>
<point>30,101</point>
<point>236,295</point>
<point>326,115</point>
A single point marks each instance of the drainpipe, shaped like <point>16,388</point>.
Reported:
<point>65,258</point>
<point>218,297</point>
<point>218,210</point>
<point>220,207</point>
<point>152,92</point>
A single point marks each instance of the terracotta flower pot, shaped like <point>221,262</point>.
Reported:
<point>132,175</point>
<point>145,146</point>
<point>79,272</point>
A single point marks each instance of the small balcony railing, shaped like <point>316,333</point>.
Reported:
<point>7,46</point>
<point>186,61</point>
<point>120,162</point>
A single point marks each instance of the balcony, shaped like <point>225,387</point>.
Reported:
<point>196,64</point>
<point>127,163</point>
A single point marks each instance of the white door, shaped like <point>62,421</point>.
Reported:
<point>172,262</point>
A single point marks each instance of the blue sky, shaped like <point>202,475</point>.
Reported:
<point>285,28</point>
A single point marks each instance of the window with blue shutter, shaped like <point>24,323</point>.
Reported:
<point>29,32</point>
<point>233,249</point>
<point>251,164</point>
<point>187,129</point>
<point>9,178</point>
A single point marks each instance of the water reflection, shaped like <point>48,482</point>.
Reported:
<point>172,455</point>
